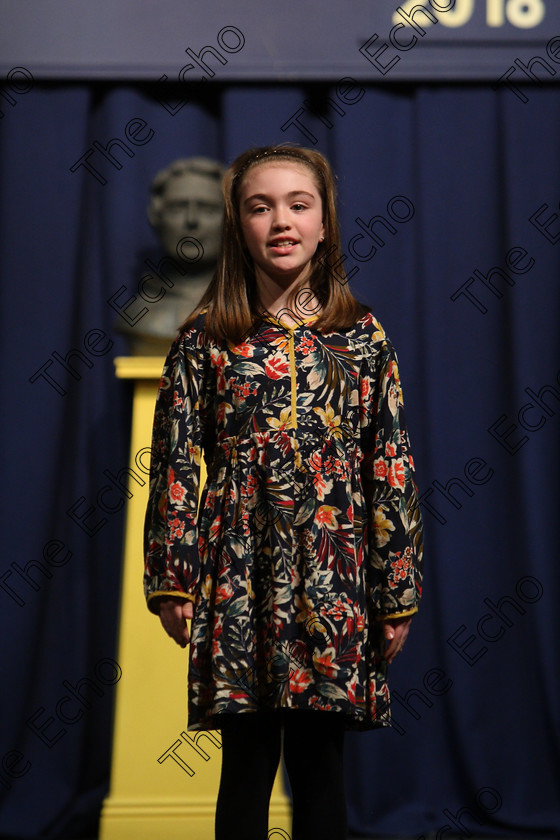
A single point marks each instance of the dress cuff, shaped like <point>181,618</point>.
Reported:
<point>162,593</point>
<point>402,614</point>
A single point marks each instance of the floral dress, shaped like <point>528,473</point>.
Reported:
<point>308,530</point>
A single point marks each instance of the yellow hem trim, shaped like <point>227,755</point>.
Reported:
<point>403,614</point>
<point>167,594</point>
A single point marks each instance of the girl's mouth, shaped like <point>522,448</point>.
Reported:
<point>283,246</point>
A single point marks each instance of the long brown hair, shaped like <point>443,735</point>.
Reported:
<point>231,299</point>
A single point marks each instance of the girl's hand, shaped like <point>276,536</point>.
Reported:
<point>396,631</point>
<point>173,614</point>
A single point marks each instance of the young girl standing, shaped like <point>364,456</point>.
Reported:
<point>303,566</point>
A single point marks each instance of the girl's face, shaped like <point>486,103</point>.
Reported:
<point>281,218</point>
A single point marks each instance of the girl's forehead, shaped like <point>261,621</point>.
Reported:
<point>278,172</point>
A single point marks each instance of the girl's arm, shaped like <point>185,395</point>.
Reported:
<point>396,532</point>
<point>172,564</point>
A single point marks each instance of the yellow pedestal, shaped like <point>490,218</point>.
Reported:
<point>164,781</point>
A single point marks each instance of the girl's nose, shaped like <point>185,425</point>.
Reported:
<point>280,220</point>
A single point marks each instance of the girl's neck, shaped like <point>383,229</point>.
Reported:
<point>274,298</point>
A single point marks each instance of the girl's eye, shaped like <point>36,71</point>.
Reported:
<point>299,206</point>
<point>259,209</point>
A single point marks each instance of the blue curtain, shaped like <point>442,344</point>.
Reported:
<point>450,218</point>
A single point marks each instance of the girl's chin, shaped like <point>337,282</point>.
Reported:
<point>283,275</point>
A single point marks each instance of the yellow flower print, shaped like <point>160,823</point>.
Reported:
<point>194,452</point>
<point>330,420</point>
<point>326,515</point>
<point>308,616</point>
<point>283,422</point>
<point>304,607</point>
<point>395,395</point>
<point>206,588</point>
<point>382,526</point>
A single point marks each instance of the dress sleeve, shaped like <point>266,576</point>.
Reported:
<point>395,521</point>
<point>172,564</point>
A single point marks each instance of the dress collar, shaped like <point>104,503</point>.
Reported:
<point>301,322</point>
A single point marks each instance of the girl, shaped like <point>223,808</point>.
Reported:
<point>303,567</point>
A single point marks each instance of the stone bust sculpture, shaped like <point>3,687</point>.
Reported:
<point>186,211</point>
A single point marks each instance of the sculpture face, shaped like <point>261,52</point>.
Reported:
<point>192,205</point>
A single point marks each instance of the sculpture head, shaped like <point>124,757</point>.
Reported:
<point>186,200</point>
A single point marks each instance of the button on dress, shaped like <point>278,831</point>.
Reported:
<point>308,530</point>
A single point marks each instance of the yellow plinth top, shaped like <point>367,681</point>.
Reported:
<point>139,367</point>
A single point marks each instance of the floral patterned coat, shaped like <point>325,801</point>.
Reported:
<point>309,528</point>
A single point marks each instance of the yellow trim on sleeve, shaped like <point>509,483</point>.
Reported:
<point>162,593</point>
<point>403,614</point>
<point>293,376</point>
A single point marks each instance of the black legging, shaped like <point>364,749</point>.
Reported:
<point>313,754</point>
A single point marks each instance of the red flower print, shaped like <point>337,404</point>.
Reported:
<point>176,492</point>
<point>325,665</point>
<point>306,345</point>
<point>177,528</point>
<point>237,695</point>
<point>251,485</point>
<point>390,450</point>
<point>283,441</point>
<point>320,704</point>
<point>380,468</point>
<point>315,461</point>
<point>219,360</point>
<point>400,567</point>
<point>364,388</point>
<point>244,349</point>
<point>320,485</point>
<point>328,464</point>
<point>337,610</point>
<point>221,413</point>
<point>215,527</point>
<point>326,516</point>
<point>224,592</point>
<point>396,474</point>
<point>277,366</point>
<point>242,390</point>
<point>299,681</point>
